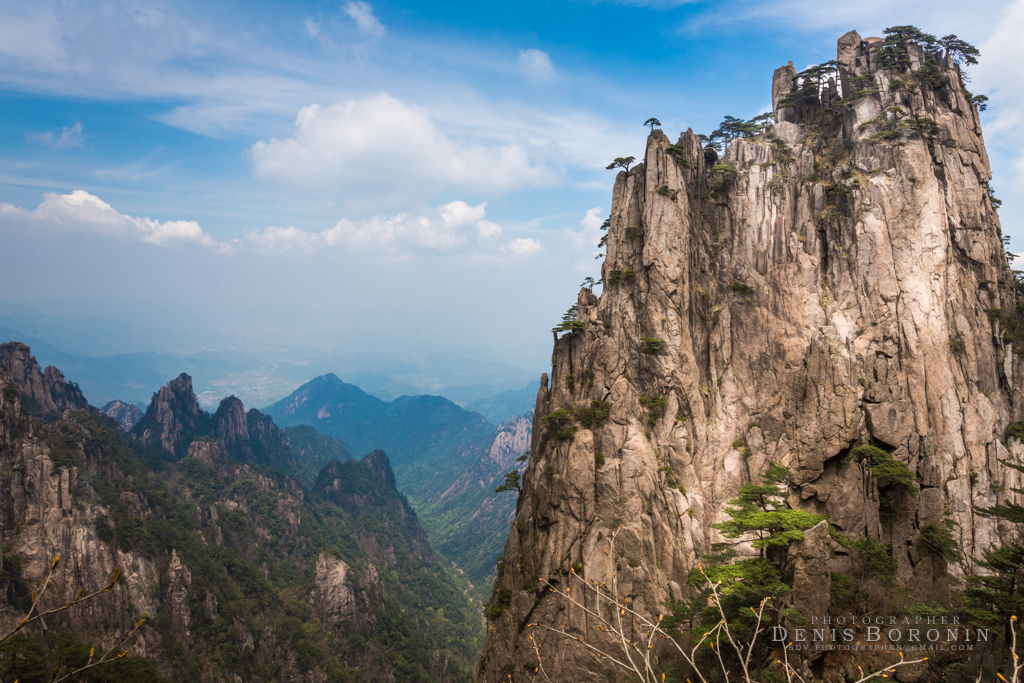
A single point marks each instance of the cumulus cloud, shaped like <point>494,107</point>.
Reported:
<point>524,247</point>
<point>583,242</point>
<point>380,145</point>
<point>454,228</point>
<point>87,213</point>
<point>362,14</point>
<point>69,136</point>
<point>536,63</point>
<point>998,72</point>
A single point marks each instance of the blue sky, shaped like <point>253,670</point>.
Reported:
<point>390,176</point>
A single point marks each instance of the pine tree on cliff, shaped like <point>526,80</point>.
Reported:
<point>761,510</point>
<point>992,597</point>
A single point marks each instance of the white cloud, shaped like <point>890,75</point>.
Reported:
<point>312,27</point>
<point>998,72</point>
<point>592,221</point>
<point>380,145</point>
<point>583,242</point>
<point>524,247</point>
<point>87,213</point>
<point>362,14</point>
<point>536,63</point>
<point>454,228</point>
<point>69,136</point>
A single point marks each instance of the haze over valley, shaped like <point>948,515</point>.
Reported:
<point>612,341</point>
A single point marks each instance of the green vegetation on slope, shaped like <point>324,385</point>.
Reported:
<point>251,539</point>
<point>432,443</point>
<point>313,450</point>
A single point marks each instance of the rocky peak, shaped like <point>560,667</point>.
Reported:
<point>126,415</point>
<point>379,464</point>
<point>834,283</point>
<point>173,418</point>
<point>46,391</point>
<point>232,429</point>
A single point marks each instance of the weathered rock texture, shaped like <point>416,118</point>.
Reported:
<point>45,391</point>
<point>173,418</point>
<point>125,414</point>
<point>828,291</point>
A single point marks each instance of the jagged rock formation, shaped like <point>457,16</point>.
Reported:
<point>837,283</point>
<point>253,437</point>
<point>173,418</point>
<point>125,414</point>
<point>241,574</point>
<point>46,391</point>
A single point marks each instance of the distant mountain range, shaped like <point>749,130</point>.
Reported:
<point>487,387</point>
<point>239,572</point>
<point>447,459</point>
<point>432,442</point>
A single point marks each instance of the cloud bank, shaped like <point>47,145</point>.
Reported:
<point>85,213</point>
<point>380,144</point>
<point>456,228</point>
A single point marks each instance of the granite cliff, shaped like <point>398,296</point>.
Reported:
<point>836,281</point>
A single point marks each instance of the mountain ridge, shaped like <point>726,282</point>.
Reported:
<point>238,569</point>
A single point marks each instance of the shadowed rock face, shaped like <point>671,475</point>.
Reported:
<point>805,305</point>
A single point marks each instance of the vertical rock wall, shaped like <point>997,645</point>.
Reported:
<point>829,289</point>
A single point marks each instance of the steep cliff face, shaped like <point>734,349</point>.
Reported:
<point>173,418</point>
<point>834,283</point>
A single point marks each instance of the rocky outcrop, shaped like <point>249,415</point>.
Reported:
<point>173,418</point>
<point>45,391</point>
<point>231,428</point>
<point>125,414</point>
<point>333,595</point>
<point>836,283</point>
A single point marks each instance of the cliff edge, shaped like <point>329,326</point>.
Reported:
<point>838,280</point>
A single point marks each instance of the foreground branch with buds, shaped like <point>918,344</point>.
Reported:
<point>34,615</point>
